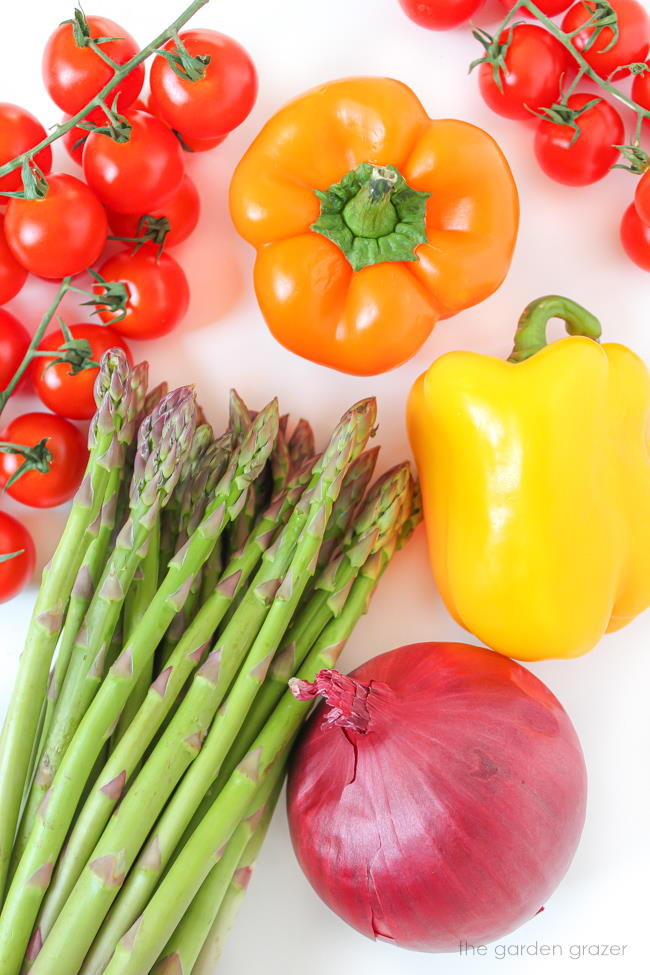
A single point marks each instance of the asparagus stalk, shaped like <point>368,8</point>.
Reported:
<point>234,869</point>
<point>354,487</point>
<point>163,441</point>
<point>140,947</point>
<point>114,395</point>
<point>301,444</point>
<point>101,880</point>
<point>160,699</point>
<point>56,813</point>
<point>138,598</point>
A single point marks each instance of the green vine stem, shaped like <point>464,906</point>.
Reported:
<point>99,101</point>
<point>603,16</point>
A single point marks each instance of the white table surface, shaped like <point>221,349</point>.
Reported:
<point>568,244</point>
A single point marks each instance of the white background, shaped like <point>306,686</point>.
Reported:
<point>568,244</point>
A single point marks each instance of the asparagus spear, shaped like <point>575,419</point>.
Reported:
<point>160,699</point>
<point>164,439</point>
<point>301,443</point>
<point>114,395</point>
<point>296,554</point>
<point>35,869</point>
<point>234,869</point>
<point>354,487</point>
<point>141,946</point>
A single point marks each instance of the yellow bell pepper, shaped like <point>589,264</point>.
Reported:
<point>535,475</point>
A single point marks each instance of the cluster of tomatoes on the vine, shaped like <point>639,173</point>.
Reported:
<point>134,187</point>
<point>525,71</point>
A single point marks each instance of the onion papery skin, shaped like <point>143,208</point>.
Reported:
<point>456,813</point>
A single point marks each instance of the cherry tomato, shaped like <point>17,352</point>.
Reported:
<point>181,210</point>
<point>14,342</point>
<point>139,175</point>
<point>19,131</point>
<point>69,458</point>
<point>633,41</point>
<point>642,197</point>
<point>440,14</point>
<point>635,237</point>
<point>158,292</point>
<point>536,64</point>
<point>188,144</point>
<point>641,91</point>
<point>549,7</point>
<point>61,389</point>
<point>12,274</point>
<point>62,234</point>
<point>73,75</point>
<point>15,573</point>
<point>216,104</point>
<point>592,155</point>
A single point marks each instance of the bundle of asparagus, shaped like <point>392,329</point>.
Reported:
<point>194,577</point>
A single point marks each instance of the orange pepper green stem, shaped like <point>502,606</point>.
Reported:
<point>371,222</point>
<point>535,476</point>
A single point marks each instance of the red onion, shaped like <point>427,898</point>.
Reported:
<point>437,797</point>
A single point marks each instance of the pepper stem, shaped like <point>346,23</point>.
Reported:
<point>530,336</point>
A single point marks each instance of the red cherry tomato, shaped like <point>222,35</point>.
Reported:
<point>12,274</point>
<point>592,155</point>
<point>641,90</point>
<point>62,234</point>
<point>69,457</point>
<point>633,41</point>
<point>74,141</point>
<point>14,573</point>
<point>73,75</point>
<point>216,104</point>
<point>138,175</point>
<point>440,14</point>
<point>536,65</point>
<point>61,389</point>
<point>19,131</point>
<point>635,237</point>
<point>642,197</point>
<point>14,342</point>
<point>181,209</point>
<point>188,144</point>
<point>158,292</point>
<point>549,7</point>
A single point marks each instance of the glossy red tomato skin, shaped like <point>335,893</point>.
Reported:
<point>642,197</point>
<point>58,388</point>
<point>14,342</point>
<point>138,175</point>
<point>216,104</point>
<point>536,64</point>
<point>641,90</point>
<point>592,155</point>
<point>17,572</point>
<point>440,14</point>
<point>549,7</point>
<point>19,131</point>
<point>182,209</point>
<point>73,75</point>
<point>158,292</point>
<point>188,144</point>
<point>62,234</point>
<point>69,458</point>
<point>635,238</point>
<point>12,274</point>
<point>74,141</point>
<point>633,43</point>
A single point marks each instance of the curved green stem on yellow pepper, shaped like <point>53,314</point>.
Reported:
<point>530,336</point>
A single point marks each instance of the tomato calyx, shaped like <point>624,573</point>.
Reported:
<point>189,67</point>
<point>603,15</point>
<point>638,160</point>
<point>373,216</point>
<point>35,184</point>
<point>560,113</point>
<point>77,353</point>
<point>7,556</point>
<point>117,127</point>
<point>114,298</point>
<point>82,35</point>
<point>495,52</point>
<point>150,230</point>
<point>36,458</point>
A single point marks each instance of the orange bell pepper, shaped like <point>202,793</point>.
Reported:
<point>371,222</point>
